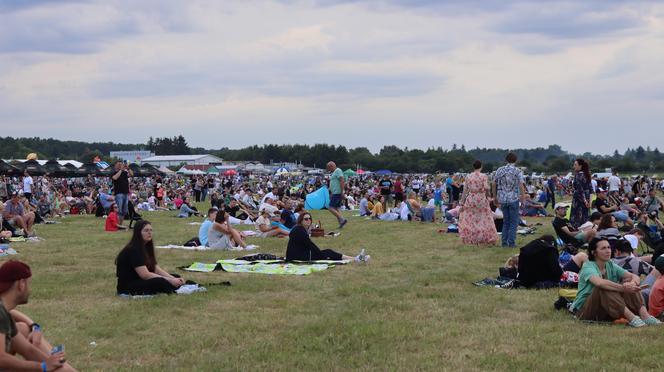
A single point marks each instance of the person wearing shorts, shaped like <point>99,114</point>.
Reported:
<point>337,185</point>
<point>121,189</point>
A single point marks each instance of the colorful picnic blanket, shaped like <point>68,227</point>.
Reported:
<point>269,267</point>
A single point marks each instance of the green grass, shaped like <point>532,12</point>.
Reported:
<point>412,308</point>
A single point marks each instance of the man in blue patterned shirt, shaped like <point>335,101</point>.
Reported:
<point>508,188</point>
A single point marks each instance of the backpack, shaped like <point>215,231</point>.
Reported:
<point>538,262</point>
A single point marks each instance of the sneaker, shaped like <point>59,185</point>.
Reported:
<point>362,257</point>
<point>250,247</point>
<point>651,321</point>
<point>508,285</point>
<point>343,223</point>
<point>636,323</point>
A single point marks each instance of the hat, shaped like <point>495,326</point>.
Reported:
<point>561,205</point>
<point>659,264</point>
<point>633,241</point>
<point>599,189</point>
<point>12,271</point>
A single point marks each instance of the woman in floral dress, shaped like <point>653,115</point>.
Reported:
<point>476,224</point>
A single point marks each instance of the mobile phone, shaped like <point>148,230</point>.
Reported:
<point>58,349</point>
<point>644,286</point>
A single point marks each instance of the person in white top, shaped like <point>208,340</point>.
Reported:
<point>27,185</point>
<point>614,182</point>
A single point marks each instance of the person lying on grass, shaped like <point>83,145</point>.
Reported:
<point>112,222</point>
<point>20,334</point>
<point>137,269</point>
<point>301,248</point>
<point>222,236</point>
<point>608,292</point>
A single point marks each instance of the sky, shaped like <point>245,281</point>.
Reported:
<point>586,75</point>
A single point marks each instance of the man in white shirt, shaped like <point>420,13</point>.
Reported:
<point>614,182</point>
<point>27,185</point>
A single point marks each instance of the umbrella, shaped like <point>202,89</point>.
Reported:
<point>360,171</point>
<point>281,170</point>
<point>55,169</point>
<point>8,169</point>
<point>384,172</point>
<point>149,170</point>
<point>33,167</point>
<point>349,173</point>
<point>230,172</point>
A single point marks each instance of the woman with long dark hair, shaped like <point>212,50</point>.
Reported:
<point>581,194</point>
<point>607,291</point>
<point>137,269</point>
<point>301,248</point>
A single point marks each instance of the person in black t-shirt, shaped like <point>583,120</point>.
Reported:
<point>386,189</point>
<point>137,269</point>
<point>566,231</point>
<point>121,188</point>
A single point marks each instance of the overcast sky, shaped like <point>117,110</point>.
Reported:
<point>587,75</point>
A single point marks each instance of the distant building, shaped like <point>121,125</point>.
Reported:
<point>132,156</point>
<point>170,160</point>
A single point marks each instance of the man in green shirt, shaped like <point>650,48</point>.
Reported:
<point>15,277</point>
<point>337,185</point>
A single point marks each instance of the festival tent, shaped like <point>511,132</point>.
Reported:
<point>349,173</point>
<point>73,170</point>
<point>190,172</point>
<point>318,199</point>
<point>165,170</point>
<point>55,169</point>
<point>33,167</point>
<point>8,169</point>
<point>282,170</point>
<point>212,170</point>
<point>149,169</point>
<point>90,169</point>
<point>384,172</point>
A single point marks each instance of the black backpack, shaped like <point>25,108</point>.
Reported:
<point>538,262</point>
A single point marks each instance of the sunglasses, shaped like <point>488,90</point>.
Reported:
<point>306,219</point>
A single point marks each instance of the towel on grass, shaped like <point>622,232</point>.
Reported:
<point>269,267</point>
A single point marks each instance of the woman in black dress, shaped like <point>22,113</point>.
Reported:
<point>301,248</point>
<point>581,193</point>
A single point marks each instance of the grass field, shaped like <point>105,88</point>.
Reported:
<point>413,307</point>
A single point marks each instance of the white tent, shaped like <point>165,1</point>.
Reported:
<point>165,170</point>
<point>190,172</point>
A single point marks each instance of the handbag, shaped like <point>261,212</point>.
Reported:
<point>317,231</point>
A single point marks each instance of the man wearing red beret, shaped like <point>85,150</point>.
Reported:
<point>15,277</point>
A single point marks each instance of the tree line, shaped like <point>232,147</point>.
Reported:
<point>552,159</point>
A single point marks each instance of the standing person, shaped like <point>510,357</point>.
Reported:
<point>337,186</point>
<point>581,193</point>
<point>614,183</point>
<point>551,185</point>
<point>398,191</point>
<point>476,218</point>
<point>121,189</point>
<point>508,188</point>
<point>137,269</point>
<point>386,189</point>
<point>28,183</point>
<point>19,334</point>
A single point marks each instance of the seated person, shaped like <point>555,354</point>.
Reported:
<point>112,222</point>
<point>20,335</point>
<point>44,206</point>
<point>16,215</point>
<point>137,269</point>
<point>364,205</point>
<point>608,229</point>
<point>264,227</point>
<point>287,217</point>
<point>624,257</point>
<point>656,298</point>
<point>604,206</point>
<point>379,207</point>
<point>301,248</point>
<point>269,205</point>
<point>233,208</point>
<point>532,208</point>
<point>653,204</point>
<point>205,226</point>
<point>106,199</point>
<point>222,236</point>
<point>566,231</point>
<point>617,296</point>
<point>186,210</point>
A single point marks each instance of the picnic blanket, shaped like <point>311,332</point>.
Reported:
<point>5,250</point>
<point>269,267</point>
<point>175,246</point>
